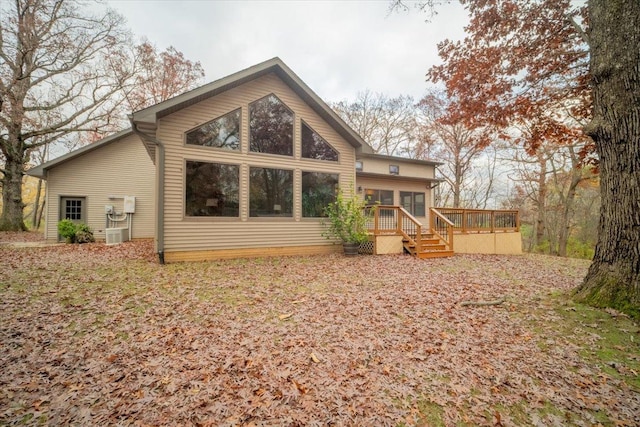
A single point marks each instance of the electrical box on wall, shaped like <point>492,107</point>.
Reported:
<point>129,204</point>
<point>108,209</point>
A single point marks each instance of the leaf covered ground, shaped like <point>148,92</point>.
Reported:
<point>98,335</point>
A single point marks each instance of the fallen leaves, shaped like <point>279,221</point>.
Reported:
<point>91,335</point>
<point>285,316</point>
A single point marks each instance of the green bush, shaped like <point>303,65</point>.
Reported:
<point>67,229</point>
<point>84,234</point>
<point>579,249</point>
<point>75,233</point>
<point>347,219</point>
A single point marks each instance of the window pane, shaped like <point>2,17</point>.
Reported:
<point>270,192</point>
<point>406,200</point>
<point>223,132</point>
<point>315,147</point>
<point>73,209</point>
<point>419,205</point>
<point>386,197</point>
<point>413,202</point>
<point>212,189</point>
<point>270,127</point>
<point>318,190</point>
<point>382,197</point>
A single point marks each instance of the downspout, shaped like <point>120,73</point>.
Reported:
<point>160,190</point>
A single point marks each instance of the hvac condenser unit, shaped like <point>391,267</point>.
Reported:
<point>115,236</point>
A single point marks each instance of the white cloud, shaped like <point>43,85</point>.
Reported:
<point>337,47</point>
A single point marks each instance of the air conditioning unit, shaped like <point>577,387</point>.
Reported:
<point>116,236</point>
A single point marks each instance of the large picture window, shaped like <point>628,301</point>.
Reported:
<point>318,190</point>
<point>212,189</point>
<point>270,127</point>
<point>414,203</point>
<point>315,147</point>
<point>270,192</point>
<point>223,132</point>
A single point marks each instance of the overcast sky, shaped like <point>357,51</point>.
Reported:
<point>337,47</point>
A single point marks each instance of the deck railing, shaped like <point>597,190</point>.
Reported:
<point>395,220</point>
<point>481,221</point>
<point>442,227</point>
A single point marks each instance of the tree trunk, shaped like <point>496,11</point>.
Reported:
<point>538,236</point>
<point>40,212</point>
<point>36,206</point>
<point>11,219</point>
<point>565,226</point>
<point>568,204</point>
<point>613,279</point>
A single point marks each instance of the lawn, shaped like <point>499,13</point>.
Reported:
<point>97,335</point>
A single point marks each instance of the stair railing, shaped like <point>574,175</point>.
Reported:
<point>441,227</point>
<point>395,220</point>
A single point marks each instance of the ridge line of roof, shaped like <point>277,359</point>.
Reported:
<point>405,159</point>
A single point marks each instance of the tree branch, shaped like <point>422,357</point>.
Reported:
<point>580,30</point>
<point>482,303</point>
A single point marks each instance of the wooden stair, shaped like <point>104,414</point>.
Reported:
<point>430,247</point>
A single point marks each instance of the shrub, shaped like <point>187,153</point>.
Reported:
<point>67,229</point>
<point>347,219</point>
<point>84,234</point>
<point>75,233</point>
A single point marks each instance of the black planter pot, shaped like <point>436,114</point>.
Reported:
<point>351,249</point>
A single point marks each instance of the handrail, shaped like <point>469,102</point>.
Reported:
<point>395,220</point>
<point>481,220</point>
<point>442,227</point>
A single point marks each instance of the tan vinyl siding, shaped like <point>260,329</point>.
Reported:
<point>398,185</point>
<point>120,168</point>
<point>381,166</point>
<point>214,233</point>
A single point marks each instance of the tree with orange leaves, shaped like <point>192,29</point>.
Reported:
<point>161,75</point>
<point>572,69</point>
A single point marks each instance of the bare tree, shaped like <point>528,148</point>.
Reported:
<point>57,76</point>
<point>452,142</point>
<point>389,125</point>
<point>549,180</point>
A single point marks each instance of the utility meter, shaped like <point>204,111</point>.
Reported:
<point>129,204</point>
<point>108,209</point>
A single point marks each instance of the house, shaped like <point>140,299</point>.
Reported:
<point>80,184</point>
<point>242,166</point>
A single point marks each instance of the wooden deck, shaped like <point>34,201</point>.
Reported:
<point>437,240</point>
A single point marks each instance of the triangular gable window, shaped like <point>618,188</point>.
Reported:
<point>315,147</point>
<point>270,127</point>
<point>222,132</point>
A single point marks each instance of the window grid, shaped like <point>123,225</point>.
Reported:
<point>73,210</point>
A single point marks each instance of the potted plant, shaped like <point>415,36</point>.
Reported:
<point>346,220</point>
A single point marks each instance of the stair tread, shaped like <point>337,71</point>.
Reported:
<point>429,247</point>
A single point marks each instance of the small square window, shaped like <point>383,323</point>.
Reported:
<point>394,169</point>
<point>358,165</point>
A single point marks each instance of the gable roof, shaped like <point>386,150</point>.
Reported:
<point>146,120</point>
<point>40,171</point>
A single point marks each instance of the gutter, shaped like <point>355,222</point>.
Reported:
<point>160,189</point>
